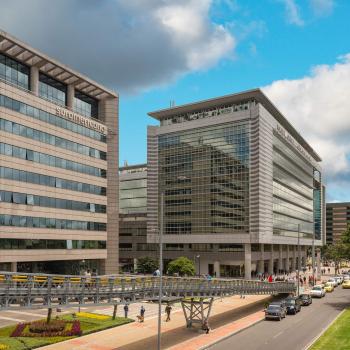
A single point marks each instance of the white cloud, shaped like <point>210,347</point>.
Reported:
<point>293,12</point>
<point>318,105</point>
<point>129,45</point>
<point>322,7</point>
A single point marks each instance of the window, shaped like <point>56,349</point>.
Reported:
<point>14,72</point>
<point>85,105</point>
<point>30,199</point>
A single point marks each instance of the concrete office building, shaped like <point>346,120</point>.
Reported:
<point>337,220</point>
<point>238,182</point>
<point>58,165</point>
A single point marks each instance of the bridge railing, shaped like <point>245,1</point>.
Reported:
<point>35,290</point>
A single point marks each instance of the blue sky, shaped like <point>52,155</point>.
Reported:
<point>154,51</point>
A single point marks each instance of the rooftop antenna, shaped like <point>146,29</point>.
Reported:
<point>172,103</point>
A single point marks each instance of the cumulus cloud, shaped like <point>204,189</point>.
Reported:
<point>129,44</point>
<point>318,106</point>
<point>322,7</point>
<point>293,12</point>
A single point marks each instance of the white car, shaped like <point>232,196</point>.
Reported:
<point>346,277</point>
<point>317,292</point>
<point>333,282</point>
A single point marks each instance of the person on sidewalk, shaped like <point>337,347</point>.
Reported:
<point>142,314</point>
<point>168,311</point>
<point>205,326</point>
<point>126,310</point>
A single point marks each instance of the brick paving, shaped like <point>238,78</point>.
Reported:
<point>228,315</point>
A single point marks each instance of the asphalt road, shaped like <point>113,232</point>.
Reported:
<point>294,332</point>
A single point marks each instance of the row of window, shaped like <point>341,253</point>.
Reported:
<point>51,181</point>
<point>51,223</point>
<point>41,136</point>
<point>14,72</point>
<point>47,117</point>
<point>52,90</point>
<point>43,158</point>
<point>42,201</point>
<point>6,243</point>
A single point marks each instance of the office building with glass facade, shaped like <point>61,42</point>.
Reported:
<point>240,184</point>
<point>58,166</point>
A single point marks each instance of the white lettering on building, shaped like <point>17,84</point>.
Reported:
<point>81,120</point>
<point>294,143</point>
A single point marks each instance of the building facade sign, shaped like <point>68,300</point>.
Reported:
<point>286,136</point>
<point>89,123</point>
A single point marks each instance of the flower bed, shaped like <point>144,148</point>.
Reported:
<point>58,328</point>
<point>3,347</point>
<point>92,315</point>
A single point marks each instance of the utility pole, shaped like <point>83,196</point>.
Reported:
<point>313,255</point>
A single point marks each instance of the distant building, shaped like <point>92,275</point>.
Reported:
<point>337,219</point>
<point>238,181</point>
<point>58,166</point>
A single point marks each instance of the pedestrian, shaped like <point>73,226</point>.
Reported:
<point>168,311</point>
<point>205,326</point>
<point>142,313</point>
<point>304,278</point>
<point>126,310</point>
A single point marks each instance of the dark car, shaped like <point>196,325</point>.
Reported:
<point>293,305</point>
<point>305,299</point>
<point>281,303</point>
<point>274,312</point>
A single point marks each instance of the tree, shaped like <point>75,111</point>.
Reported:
<point>147,264</point>
<point>182,266</point>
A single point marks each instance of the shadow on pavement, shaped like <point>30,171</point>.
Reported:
<point>181,334</point>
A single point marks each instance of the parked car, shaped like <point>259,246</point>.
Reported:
<point>274,312</point>
<point>305,299</point>
<point>328,287</point>
<point>346,284</point>
<point>280,303</point>
<point>346,278</point>
<point>317,292</point>
<point>293,305</point>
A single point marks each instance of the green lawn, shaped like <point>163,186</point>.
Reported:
<point>88,325</point>
<point>337,336</point>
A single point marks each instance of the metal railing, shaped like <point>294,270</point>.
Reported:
<point>19,290</point>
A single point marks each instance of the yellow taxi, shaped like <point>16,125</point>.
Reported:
<point>328,287</point>
<point>346,284</point>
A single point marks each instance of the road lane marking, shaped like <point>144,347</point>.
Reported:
<point>278,334</point>
<point>11,319</point>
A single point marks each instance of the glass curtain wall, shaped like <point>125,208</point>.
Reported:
<point>204,174</point>
<point>292,191</point>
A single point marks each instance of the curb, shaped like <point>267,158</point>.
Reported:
<point>208,346</point>
<point>313,341</point>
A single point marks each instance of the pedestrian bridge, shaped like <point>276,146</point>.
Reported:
<point>18,290</point>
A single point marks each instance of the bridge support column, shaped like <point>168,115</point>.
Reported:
<point>247,261</point>
<point>217,269</point>
<point>196,310</point>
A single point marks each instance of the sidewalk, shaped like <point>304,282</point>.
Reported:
<point>228,316</point>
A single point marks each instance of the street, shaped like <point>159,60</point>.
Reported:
<point>294,332</point>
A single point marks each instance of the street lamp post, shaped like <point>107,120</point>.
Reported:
<point>199,264</point>
<point>299,264</point>
<point>160,269</point>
